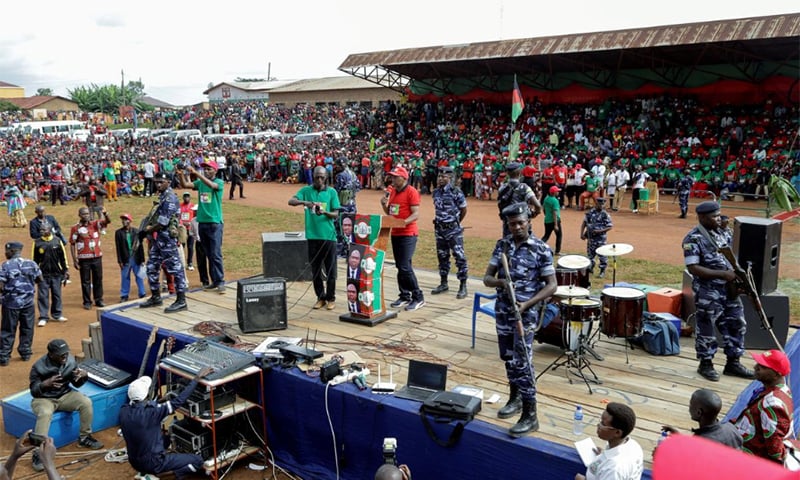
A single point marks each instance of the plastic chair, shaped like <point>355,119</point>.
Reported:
<point>649,204</point>
<point>485,308</point>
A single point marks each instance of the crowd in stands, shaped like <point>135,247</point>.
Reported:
<point>725,148</point>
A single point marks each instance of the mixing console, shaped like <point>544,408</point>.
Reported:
<point>196,356</point>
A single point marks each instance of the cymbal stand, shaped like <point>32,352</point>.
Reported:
<point>614,271</point>
<point>574,362</point>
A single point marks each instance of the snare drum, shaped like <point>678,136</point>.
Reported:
<point>573,270</point>
<point>574,319</point>
<point>622,311</point>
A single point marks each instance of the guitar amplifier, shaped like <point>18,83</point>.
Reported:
<point>261,304</point>
<point>285,254</point>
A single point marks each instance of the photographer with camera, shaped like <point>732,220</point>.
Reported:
<point>390,470</point>
<point>321,211</point>
<point>23,445</point>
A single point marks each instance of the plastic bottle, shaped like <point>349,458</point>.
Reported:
<point>577,424</point>
<point>664,435</point>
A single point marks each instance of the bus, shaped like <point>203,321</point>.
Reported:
<point>57,127</point>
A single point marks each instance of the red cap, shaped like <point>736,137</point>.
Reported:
<point>126,216</point>
<point>210,163</point>
<point>774,359</point>
<point>399,171</point>
<point>554,189</point>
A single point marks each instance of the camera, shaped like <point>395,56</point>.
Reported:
<point>318,209</point>
<point>390,450</point>
<point>35,439</point>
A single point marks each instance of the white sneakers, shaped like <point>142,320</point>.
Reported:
<point>42,322</point>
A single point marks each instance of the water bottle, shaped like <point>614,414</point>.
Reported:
<point>577,424</point>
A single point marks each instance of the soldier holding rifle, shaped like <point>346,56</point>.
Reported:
<point>521,269</point>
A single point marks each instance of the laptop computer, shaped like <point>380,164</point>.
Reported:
<point>424,379</point>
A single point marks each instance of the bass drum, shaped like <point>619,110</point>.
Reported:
<point>622,311</point>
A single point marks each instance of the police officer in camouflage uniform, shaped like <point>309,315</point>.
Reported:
<point>712,274</point>
<point>513,190</point>
<point>684,187</point>
<point>163,232</point>
<point>450,207</point>
<point>18,279</point>
<point>595,226</point>
<point>531,269</point>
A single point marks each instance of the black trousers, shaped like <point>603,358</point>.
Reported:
<point>91,279</point>
<point>322,257</point>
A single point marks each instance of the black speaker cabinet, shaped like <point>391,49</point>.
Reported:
<point>776,307</point>
<point>285,254</point>
<point>261,304</point>
<point>757,242</point>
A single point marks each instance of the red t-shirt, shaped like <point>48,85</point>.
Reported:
<point>400,204</point>
<point>86,240</point>
<point>187,214</point>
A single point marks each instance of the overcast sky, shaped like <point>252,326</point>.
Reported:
<point>178,47</point>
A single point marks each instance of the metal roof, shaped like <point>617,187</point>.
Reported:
<point>251,86</point>
<point>322,84</point>
<point>773,40</point>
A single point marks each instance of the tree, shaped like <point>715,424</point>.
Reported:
<point>8,106</point>
<point>44,92</point>
<point>108,98</point>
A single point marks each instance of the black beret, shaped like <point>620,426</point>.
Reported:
<point>600,199</point>
<point>447,170</point>
<point>14,246</point>
<point>513,166</point>
<point>515,210</point>
<point>161,176</point>
<point>707,207</point>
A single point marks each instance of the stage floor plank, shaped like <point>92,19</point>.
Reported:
<point>657,388</point>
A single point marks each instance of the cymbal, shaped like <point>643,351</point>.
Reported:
<point>614,249</point>
<point>570,291</point>
<point>574,262</point>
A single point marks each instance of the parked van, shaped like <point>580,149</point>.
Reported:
<point>186,134</point>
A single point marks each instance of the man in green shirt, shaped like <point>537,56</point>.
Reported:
<point>209,217</point>
<point>321,211</point>
<point>552,217</point>
<point>111,181</point>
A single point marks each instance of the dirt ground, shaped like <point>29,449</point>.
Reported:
<point>654,237</point>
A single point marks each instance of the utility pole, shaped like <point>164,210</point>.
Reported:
<point>269,68</point>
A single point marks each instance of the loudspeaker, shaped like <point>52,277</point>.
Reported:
<point>776,307</point>
<point>261,304</point>
<point>285,254</point>
<point>757,242</point>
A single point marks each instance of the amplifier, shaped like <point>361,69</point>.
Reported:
<point>189,436</point>
<point>200,401</point>
<point>261,304</point>
<point>285,254</point>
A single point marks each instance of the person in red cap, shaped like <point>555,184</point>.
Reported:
<point>767,420</point>
<point>402,202</point>
<point>552,217</point>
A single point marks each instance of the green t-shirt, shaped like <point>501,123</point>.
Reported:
<point>209,201</point>
<point>552,209</point>
<point>319,227</point>
<point>591,184</point>
<point>108,173</point>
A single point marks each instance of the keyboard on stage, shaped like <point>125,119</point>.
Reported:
<point>223,359</point>
<point>104,375</point>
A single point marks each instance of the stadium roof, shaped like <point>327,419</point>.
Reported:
<point>672,56</point>
<point>322,84</point>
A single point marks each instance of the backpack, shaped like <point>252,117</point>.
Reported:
<point>507,195</point>
<point>659,337</point>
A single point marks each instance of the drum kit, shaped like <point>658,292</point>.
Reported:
<point>619,311</point>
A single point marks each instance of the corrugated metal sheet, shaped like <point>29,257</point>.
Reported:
<point>322,84</point>
<point>745,29</point>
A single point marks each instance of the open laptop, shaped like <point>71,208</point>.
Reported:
<point>424,379</point>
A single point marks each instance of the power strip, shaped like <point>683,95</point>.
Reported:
<point>348,375</point>
<point>222,457</point>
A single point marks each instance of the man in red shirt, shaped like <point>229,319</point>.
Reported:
<point>187,215</point>
<point>87,256</point>
<point>402,201</point>
<point>560,175</point>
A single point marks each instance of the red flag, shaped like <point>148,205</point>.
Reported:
<point>517,104</point>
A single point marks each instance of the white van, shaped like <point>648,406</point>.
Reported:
<point>187,134</point>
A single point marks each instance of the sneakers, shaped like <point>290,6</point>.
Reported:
<point>398,303</point>
<point>320,303</point>
<point>145,476</point>
<point>221,289</point>
<point>62,318</point>
<point>190,267</point>
<point>90,442</point>
<point>42,322</point>
<point>415,305</point>
<point>36,461</point>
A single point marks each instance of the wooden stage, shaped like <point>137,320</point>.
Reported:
<point>657,388</point>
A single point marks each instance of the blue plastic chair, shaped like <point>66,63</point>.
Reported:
<point>485,308</point>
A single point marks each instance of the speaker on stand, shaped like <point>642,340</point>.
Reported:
<point>757,242</point>
<point>261,304</point>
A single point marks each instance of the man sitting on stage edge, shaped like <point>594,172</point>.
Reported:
<point>321,211</point>
<point>140,421</point>
<point>704,407</point>
<point>622,459</point>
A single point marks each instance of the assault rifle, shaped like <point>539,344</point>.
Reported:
<point>520,347</point>
<point>745,283</point>
<point>148,220</point>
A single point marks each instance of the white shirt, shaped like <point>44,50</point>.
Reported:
<point>624,462</point>
<point>623,177</point>
<point>639,179</point>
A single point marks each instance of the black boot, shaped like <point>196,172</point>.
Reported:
<point>734,368</point>
<point>706,370</point>
<point>442,287</point>
<point>513,405</point>
<point>153,301</point>
<point>462,290</point>
<point>179,305</point>
<point>528,422</point>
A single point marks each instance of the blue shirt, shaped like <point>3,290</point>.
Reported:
<point>18,276</point>
<point>529,264</point>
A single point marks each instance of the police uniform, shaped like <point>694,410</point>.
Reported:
<point>448,201</point>
<point>711,300</point>
<point>597,220</point>
<point>529,263</point>
<point>684,188</point>
<point>140,422</point>
<point>511,192</point>
<point>18,277</point>
<point>163,246</point>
